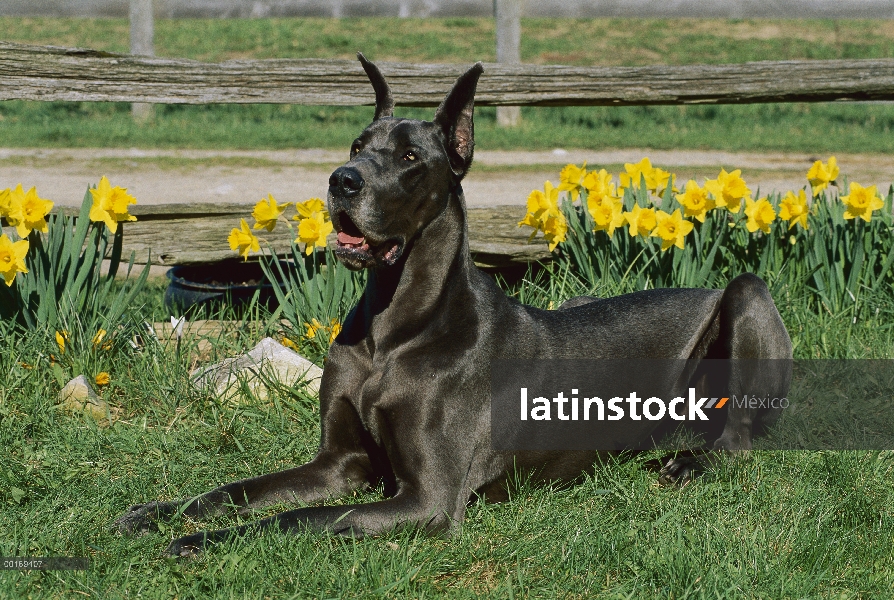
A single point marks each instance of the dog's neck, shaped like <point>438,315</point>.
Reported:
<point>416,291</point>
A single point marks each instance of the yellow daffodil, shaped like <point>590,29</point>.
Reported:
<point>671,228</point>
<point>634,174</point>
<point>695,201</point>
<point>571,178</point>
<point>728,189</point>
<point>12,258</point>
<point>110,204</point>
<point>821,175</point>
<point>243,240</point>
<point>607,213</point>
<point>555,228</point>
<point>599,183</point>
<point>61,338</point>
<point>660,179</point>
<point>656,179</point>
<point>544,215</point>
<point>640,221</point>
<point>27,211</point>
<point>541,205</point>
<point>289,343</point>
<point>794,209</point>
<point>312,231</point>
<point>760,215</point>
<point>6,206</point>
<point>102,378</point>
<point>861,202</point>
<point>308,208</point>
<point>267,212</point>
<point>98,338</point>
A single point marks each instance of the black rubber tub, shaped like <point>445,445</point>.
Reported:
<point>212,286</point>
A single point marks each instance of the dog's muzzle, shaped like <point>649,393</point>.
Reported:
<point>353,246</point>
<point>345,182</point>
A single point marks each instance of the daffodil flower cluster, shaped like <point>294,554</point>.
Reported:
<point>27,212</point>
<point>605,202</point>
<point>313,225</point>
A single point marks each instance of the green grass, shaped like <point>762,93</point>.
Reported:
<point>771,525</point>
<point>820,128</point>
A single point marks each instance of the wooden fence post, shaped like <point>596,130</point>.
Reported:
<point>142,33</point>
<point>507,14</point>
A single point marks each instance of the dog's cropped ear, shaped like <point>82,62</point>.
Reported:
<point>384,100</point>
<point>455,118</point>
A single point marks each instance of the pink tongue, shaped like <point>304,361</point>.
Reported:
<point>344,238</point>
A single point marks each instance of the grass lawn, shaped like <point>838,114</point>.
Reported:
<point>769,525</point>
<point>820,128</point>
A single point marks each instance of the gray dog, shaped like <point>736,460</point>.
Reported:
<point>405,395</point>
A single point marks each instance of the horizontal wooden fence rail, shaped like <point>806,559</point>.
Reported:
<point>49,73</point>
<point>194,234</point>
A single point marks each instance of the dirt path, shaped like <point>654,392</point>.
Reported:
<point>163,176</point>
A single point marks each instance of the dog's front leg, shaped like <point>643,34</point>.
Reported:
<point>430,472</point>
<point>341,465</point>
<point>359,520</point>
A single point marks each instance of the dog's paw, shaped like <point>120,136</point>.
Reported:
<point>140,518</point>
<point>680,470</point>
<point>187,546</point>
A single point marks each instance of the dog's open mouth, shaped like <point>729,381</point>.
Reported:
<point>353,247</point>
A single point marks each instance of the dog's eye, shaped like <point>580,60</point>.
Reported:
<point>355,151</point>
<point>409,156</point>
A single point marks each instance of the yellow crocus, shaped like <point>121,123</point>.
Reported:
<point>61,338</point>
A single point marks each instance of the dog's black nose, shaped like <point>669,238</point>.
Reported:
<point>346,181</point>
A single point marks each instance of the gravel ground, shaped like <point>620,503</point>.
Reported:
<point>165,176</point>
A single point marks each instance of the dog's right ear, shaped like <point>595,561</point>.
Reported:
<point>384,100</point>
<point>454,116</point>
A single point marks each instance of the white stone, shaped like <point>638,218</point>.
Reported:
<point>268,360</point>
<point>78,396</point>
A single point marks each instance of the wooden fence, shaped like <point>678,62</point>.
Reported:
<point>66,74</point>
<point>48,73</point>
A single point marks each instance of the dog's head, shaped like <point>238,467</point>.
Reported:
<point>400,174</point>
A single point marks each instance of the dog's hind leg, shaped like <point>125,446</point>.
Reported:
<point>751,334</point>
<point>754,337</point>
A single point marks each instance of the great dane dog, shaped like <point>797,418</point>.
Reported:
<point>405,394</point>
